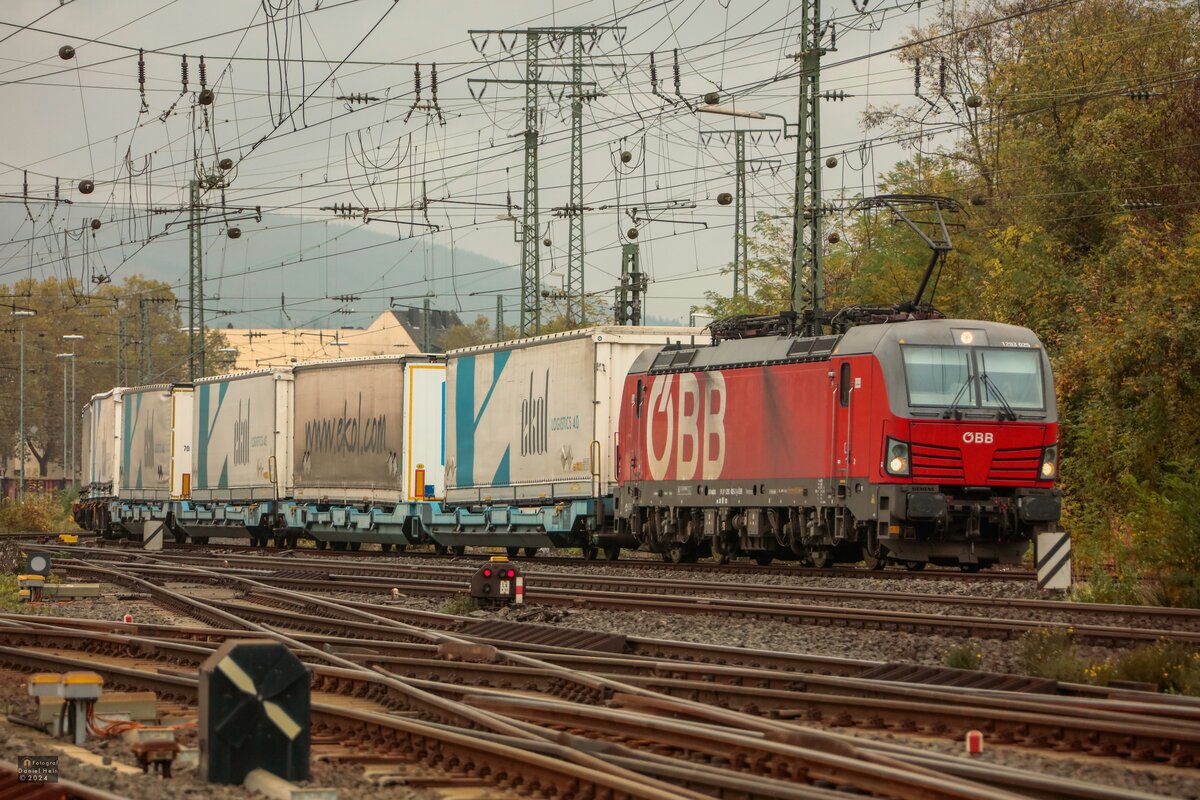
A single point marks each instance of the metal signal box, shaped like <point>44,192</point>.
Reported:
<point>498,582</point>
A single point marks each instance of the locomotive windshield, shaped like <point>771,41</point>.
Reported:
<point>979,377</point>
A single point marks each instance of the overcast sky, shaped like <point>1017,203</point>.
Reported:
<point>277,71</point>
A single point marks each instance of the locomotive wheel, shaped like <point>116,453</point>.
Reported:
<point>821,559</point>
<point>322,544</point>
<point>530,552</point>
<point>914,566</point>
<point>513,552</point>
<point>970,567</point>
<point>589,552</point>
<point>763,559</point>
<point>459,549</point>
<point>874,561</point>
<point>612,552</point>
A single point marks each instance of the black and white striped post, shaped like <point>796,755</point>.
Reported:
<point>1054,560</point>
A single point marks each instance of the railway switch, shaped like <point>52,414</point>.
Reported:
<point>498,582</point>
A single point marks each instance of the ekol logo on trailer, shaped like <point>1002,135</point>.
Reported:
<point>535,418</point>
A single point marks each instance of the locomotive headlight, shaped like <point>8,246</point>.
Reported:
<point>1049,463</point>
<point>897,457</point>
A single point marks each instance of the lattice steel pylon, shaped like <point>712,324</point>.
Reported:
<point>196,339</point>
<point>808,274</point>
<point>741,241</point>
<point>531,267</point>
<point>576,306</point>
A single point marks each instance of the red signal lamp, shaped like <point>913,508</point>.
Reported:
<point>512,573</point>
<point>487,572</point>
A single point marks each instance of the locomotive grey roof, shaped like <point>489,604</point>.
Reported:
<point>760,350</point>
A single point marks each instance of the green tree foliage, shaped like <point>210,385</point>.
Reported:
<point>104,357</point>
<point>1075,136</point>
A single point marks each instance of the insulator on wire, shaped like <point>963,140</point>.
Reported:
<point>433,81</point>
<point>183,73</point>
<point>942,77</point>
<point>653,75</point>
<point>417,81</point>
<point>675,70</point>
<point>203,74</point>
<point>917,79</point>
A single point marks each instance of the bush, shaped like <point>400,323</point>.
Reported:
<point>458,606</point>
<point>39,512</point>
<point>1124,588</point>
<point>963,656</point>
<point>1170,666</point>
<point>1166,531</point>
<point>1051,653</point>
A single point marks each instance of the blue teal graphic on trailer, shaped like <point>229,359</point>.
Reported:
<point>204,399</point>
<point>466,421</point>
<point>131,416</point>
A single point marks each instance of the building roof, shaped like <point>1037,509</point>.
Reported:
<point>394,332</point>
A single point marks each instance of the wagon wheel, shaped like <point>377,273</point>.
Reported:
<point>612,552</point>
<point>530,552</point>
<point>355,546</point>
<point>322,544</point>
<point>970,567</point>
<point>459,549</point>
<point>513,552</point>
<point>914,566</point>
<point>589,552</point>
<point>763,558</point>
<point>440,549</point>
<point>821,558</point>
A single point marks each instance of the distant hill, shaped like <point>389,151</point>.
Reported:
<point>320,260</point>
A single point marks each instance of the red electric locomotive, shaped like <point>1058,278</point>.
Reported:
<point>926,441</point>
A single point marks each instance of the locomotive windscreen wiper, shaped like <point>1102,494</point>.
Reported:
<point>952,412</point>
<point>1007,410</point>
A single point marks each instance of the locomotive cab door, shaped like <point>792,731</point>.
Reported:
<point>846,390</point>
<point>632,434</point>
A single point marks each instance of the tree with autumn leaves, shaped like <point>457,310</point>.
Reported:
<point>1070,133</point>
<point>109,354</point>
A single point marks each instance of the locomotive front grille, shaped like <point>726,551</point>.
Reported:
<point>937,463</point>
<point>1016,464</point>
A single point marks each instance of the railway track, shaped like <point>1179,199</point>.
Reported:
<point>631,560</point>
<point>622,700</point>
<point>1118,625</point>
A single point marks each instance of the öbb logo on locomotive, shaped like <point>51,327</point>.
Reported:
<point>686,426</point>
<point>978,437</point>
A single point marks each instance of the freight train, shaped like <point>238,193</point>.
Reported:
<point>912,442</point>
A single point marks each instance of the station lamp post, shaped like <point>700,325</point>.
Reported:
<point>66,416</point>
<point>21,316</point>
<point>73,338</point>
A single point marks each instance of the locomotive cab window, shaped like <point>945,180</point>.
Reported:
<point>637,400</point>
<point>966,377</point>
<point>844,386</point>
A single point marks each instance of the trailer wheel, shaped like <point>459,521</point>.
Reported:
<point>459,549</point>
<point>355,546</point>
<point>322,544</point>
<point>440,549</point>
<point>763,559</point>
<point>821,559</point>
<point>589,552</point>
<point>279,542</point>
<point>513,552</point>
<point>530,552</point>
<point>612,552</point>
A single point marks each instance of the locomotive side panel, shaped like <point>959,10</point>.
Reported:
<point>241,431</point>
